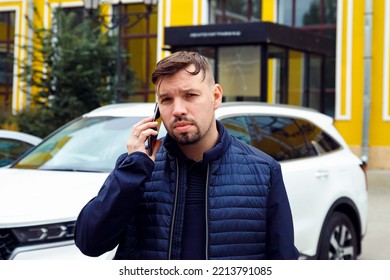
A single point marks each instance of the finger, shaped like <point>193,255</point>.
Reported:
<point>143,129</point>
<point>137,142</point>
<point>143,136</point>
<point>140,126</point>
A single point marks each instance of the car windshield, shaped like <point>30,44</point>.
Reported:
<point>88,144</point>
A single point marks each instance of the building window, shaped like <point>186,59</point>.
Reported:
<point>137,26</point>
<point>139,40</point>
<point>318,16</point>
<point>315,15</point>
<point>79,11</point>
<point>7,34</point>
<point>234,11</point>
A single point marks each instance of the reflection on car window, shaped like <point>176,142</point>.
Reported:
<point>88,144</point>
<point>11,149</point>
<point>320,139</point>
<point>238,128</point>
<point>281,137</point>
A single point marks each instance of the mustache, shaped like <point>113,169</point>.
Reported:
<point>182,119</point>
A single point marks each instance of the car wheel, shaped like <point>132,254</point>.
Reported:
<point>339,239</point>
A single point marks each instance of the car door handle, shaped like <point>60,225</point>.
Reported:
<point>322,174</point>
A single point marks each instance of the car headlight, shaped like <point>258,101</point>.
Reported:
<point>45,233</point>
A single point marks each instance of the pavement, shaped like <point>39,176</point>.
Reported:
<point>376,243</point>
<point>378,178</point>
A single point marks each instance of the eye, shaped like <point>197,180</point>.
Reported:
<point>190,94</point>
<point>165,100</point>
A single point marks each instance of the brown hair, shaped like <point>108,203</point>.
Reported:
<point>177,61</point>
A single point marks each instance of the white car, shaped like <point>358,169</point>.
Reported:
<point>43,192</point>
<point>13,144</point>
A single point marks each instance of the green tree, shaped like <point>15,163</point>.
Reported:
<point>70,70</point>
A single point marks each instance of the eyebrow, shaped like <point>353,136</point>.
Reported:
<point>185,90</point>
<point>159,95</point>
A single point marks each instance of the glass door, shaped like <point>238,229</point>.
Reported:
<point>277,75</point>
<point>239,72</point>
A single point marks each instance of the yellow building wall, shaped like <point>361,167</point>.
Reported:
<point>270,83</point>
<point>379,130</point>
<point>295,78</point>
<point>268,14</point>
<point>349,111</point>
<point>268,10</point>
<point>349,117</point>
<point>181,12</point>
<point>178,13</point>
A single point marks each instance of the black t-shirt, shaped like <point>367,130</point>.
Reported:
<point>194,232</point>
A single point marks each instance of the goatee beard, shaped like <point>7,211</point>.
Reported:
<point>186,138</point>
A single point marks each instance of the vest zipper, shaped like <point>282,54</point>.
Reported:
<point>206,213</point>
<point>174,211</point>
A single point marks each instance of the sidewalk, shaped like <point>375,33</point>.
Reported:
<point>376,243</point>
<point>378,178</point>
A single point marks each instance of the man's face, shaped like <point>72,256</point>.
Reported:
<point>187,104</point>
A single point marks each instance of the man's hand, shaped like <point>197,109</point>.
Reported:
<point>139,134</point>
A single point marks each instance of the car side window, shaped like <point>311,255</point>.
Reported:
<point>11,149</point>
<point>238,127</point>
<point>280,137</point>
<point>322,142</point>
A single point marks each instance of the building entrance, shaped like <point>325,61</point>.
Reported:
<point>260,61</point>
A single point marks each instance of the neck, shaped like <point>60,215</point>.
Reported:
<point>192,152</point>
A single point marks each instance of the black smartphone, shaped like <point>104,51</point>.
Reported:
<point>152,138</point>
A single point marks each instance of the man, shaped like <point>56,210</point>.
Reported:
<point>202,194</point>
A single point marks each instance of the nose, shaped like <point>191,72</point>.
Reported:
<point>179,108</point>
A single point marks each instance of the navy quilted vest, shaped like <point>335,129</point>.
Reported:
<point>238,186</point>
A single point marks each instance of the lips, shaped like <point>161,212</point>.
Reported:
<point>182,126</point>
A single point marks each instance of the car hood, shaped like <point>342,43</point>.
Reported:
<point>32,197</point>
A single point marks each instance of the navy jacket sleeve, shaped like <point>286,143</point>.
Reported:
<point>280,230</point>
<point>102,221</point>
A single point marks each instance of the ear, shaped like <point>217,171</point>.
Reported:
<point>217,94</point>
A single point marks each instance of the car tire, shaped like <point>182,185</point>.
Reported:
<point>339,239</point>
